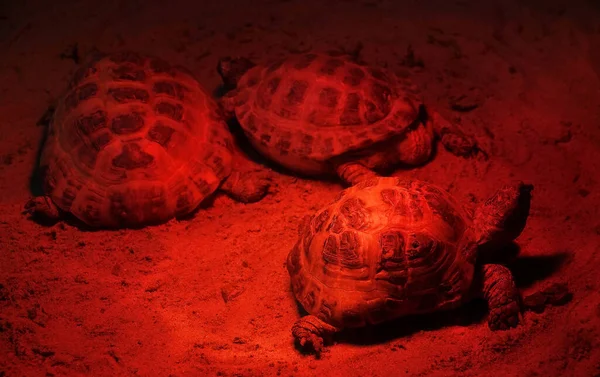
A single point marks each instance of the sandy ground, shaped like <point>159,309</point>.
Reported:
<point>210,295</point>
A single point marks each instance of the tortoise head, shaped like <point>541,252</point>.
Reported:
<point>501,218</point>
<point>231,69</point>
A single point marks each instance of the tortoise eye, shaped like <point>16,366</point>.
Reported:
<point>415,244</point>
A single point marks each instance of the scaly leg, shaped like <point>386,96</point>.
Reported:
<point>503,298</point>
<point>42,208</point>
<point>453,138</point>
<point>310,331</point>
<point>245,184</point>
<point>353,173</point>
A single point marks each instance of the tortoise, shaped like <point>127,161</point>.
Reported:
<point>390,247</point>
<point>136,141</point>
<point>321,114</point>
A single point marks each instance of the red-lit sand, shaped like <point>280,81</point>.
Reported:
<point>210,295</point>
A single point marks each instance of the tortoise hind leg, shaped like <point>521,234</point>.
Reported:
<point>246,186</point>
<point>352,173</point>
<point>245,183</point>
<point>503,298</point>
<point>43,209</point>
<point>453,138</point>
<point>311,332</point>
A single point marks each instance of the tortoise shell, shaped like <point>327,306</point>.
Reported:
<point>383,249</point>
<point>318,106</point>
<point>133,141</point>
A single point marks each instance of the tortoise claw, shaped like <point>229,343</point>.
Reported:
<point>504,317</point>
<point>310,332</point>
<point>43,209</point>
<point>313,342</point>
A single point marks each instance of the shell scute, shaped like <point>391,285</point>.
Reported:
<point>323,95</point>
<point>135,122</point>
<point>385,265</point>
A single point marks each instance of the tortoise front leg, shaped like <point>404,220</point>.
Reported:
<point>453,138</point>
<point>353,173</point>
<point>311,332</point>
<point>43,209</point>
<point>500,291</point>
